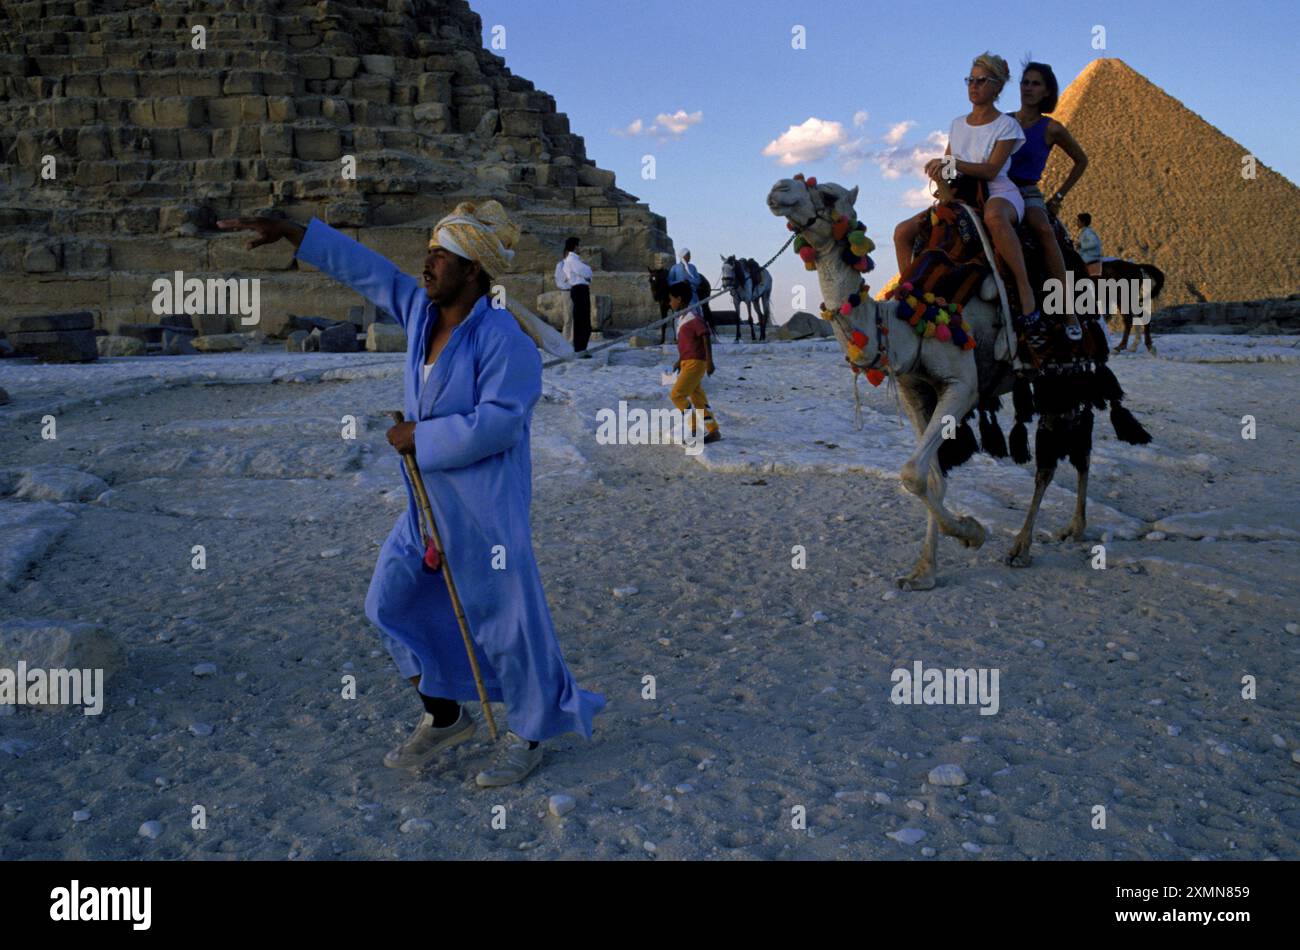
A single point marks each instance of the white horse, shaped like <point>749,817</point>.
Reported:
<point>738,280</point>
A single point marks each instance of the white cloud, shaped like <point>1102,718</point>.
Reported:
<point>805,143</point>
<point>666,125</point>
<point>679,121</point>
<point>860,118</point>
<point>897,131</point>
<point>918,197</point>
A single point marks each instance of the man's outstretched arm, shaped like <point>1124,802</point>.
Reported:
<point>372,275</point>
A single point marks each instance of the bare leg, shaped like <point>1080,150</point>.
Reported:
<point>1037,219</point>
<point>904,235</point>
<point>1000,219</point>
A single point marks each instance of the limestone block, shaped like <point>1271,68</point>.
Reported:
<point>52,322</point>
<point>216,169</point>
<point>243,142</point>
<point>71,346</point>
<point>224,113</point>
<point>434,87</point>
<point>276,141</point>
<point>373,88</point>
<point>379,65</point>
<point>207,85</point>
<point>220,343</point>
<point>157,86</point>
<point>317,145</point>
<point>92,143</point>
<point>81,86</point>
<point>385,338</point>
<point>252,109</point>
<point>120,85</point>
<point>280,109</point>
<point>84,255</point>
<point>194,143</point>
<point>121,346</point>
<point>178,112</point>
<point>523,123</point>
<point>344,67</point>
<point>43,257</point>
<point>433,117</point>
<point>315,67</point>
<point>241,82</point>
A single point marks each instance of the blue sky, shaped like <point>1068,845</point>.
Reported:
<point>609,64</point>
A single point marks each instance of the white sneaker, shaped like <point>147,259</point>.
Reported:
<point>514,762</point>
<point>426,741</point>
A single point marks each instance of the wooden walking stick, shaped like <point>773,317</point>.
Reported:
<point>426,512</point>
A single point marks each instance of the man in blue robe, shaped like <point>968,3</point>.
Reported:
<point>471,382</point>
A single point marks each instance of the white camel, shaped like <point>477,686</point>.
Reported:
<point>937,380</point>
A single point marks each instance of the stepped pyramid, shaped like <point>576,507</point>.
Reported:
<point>154,140</point>
<point>1164,186</point>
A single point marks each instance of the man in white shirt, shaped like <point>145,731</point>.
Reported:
<point>573,275</point>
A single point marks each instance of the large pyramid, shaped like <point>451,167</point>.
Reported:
<point>152,140</point>
<point>1165,186</point>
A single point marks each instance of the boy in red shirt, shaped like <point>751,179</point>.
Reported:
<point>695,358</point>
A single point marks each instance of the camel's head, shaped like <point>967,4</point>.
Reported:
<point>808,205</point>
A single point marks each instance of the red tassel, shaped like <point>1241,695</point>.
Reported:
<point>431,559</point>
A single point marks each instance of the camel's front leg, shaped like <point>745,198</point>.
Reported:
<point>1019,555</point>
<point>957,400</point>
<point>1128,328</point>
<point>922,574</point>
<point>1074,531</point>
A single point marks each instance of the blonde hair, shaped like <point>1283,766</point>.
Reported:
<point>996,65</point>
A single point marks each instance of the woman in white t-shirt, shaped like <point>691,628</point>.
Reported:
<point>982,144</point>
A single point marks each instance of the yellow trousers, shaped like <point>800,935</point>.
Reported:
<point>689,391</point>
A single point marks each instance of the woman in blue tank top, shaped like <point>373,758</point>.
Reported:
<point>1038,94</point>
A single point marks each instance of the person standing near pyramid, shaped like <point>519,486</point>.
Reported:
<point>1089,244</point>
<point>471,381</point>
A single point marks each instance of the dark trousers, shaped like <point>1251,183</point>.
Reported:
<point>580,294</point>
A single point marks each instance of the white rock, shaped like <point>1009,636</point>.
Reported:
<point>80,815</point>
<point>201,729</point>
<point>1174,730</point>
<point>1156,536</point>
<point>971,846</point>
<point>1129,655</point>
<point>1295,755</point>
<point>1279,741</point>
<point>889,595</point>
<point>205,669</point>
<point>151,829</point>
<point>1293,628</point>
<point>1038,643</point>
<point>625,591</point>
<point>416,825</point>
<point>915,805</point>
<point>683,787</point>
<point>737,614</point>
<point>969,739</point>
<point>880,798</point>
<point>906,835</point>
<point>649,846</point>
<point>331,552</point>
<point>819,617</point>
<point>948,775</point>
<point>561,805</point>
<point>928,852</point>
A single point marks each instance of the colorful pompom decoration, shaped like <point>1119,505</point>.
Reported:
<point>875,377</point>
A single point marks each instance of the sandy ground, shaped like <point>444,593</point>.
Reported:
<point>1119,687</point>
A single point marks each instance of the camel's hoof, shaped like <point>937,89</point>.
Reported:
<point>1151,350</point>
<point>1071,533</point>
<point>1119,349</point>
<point>972,533</point>
<point>1019,559</point>
<point>915,582</point>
